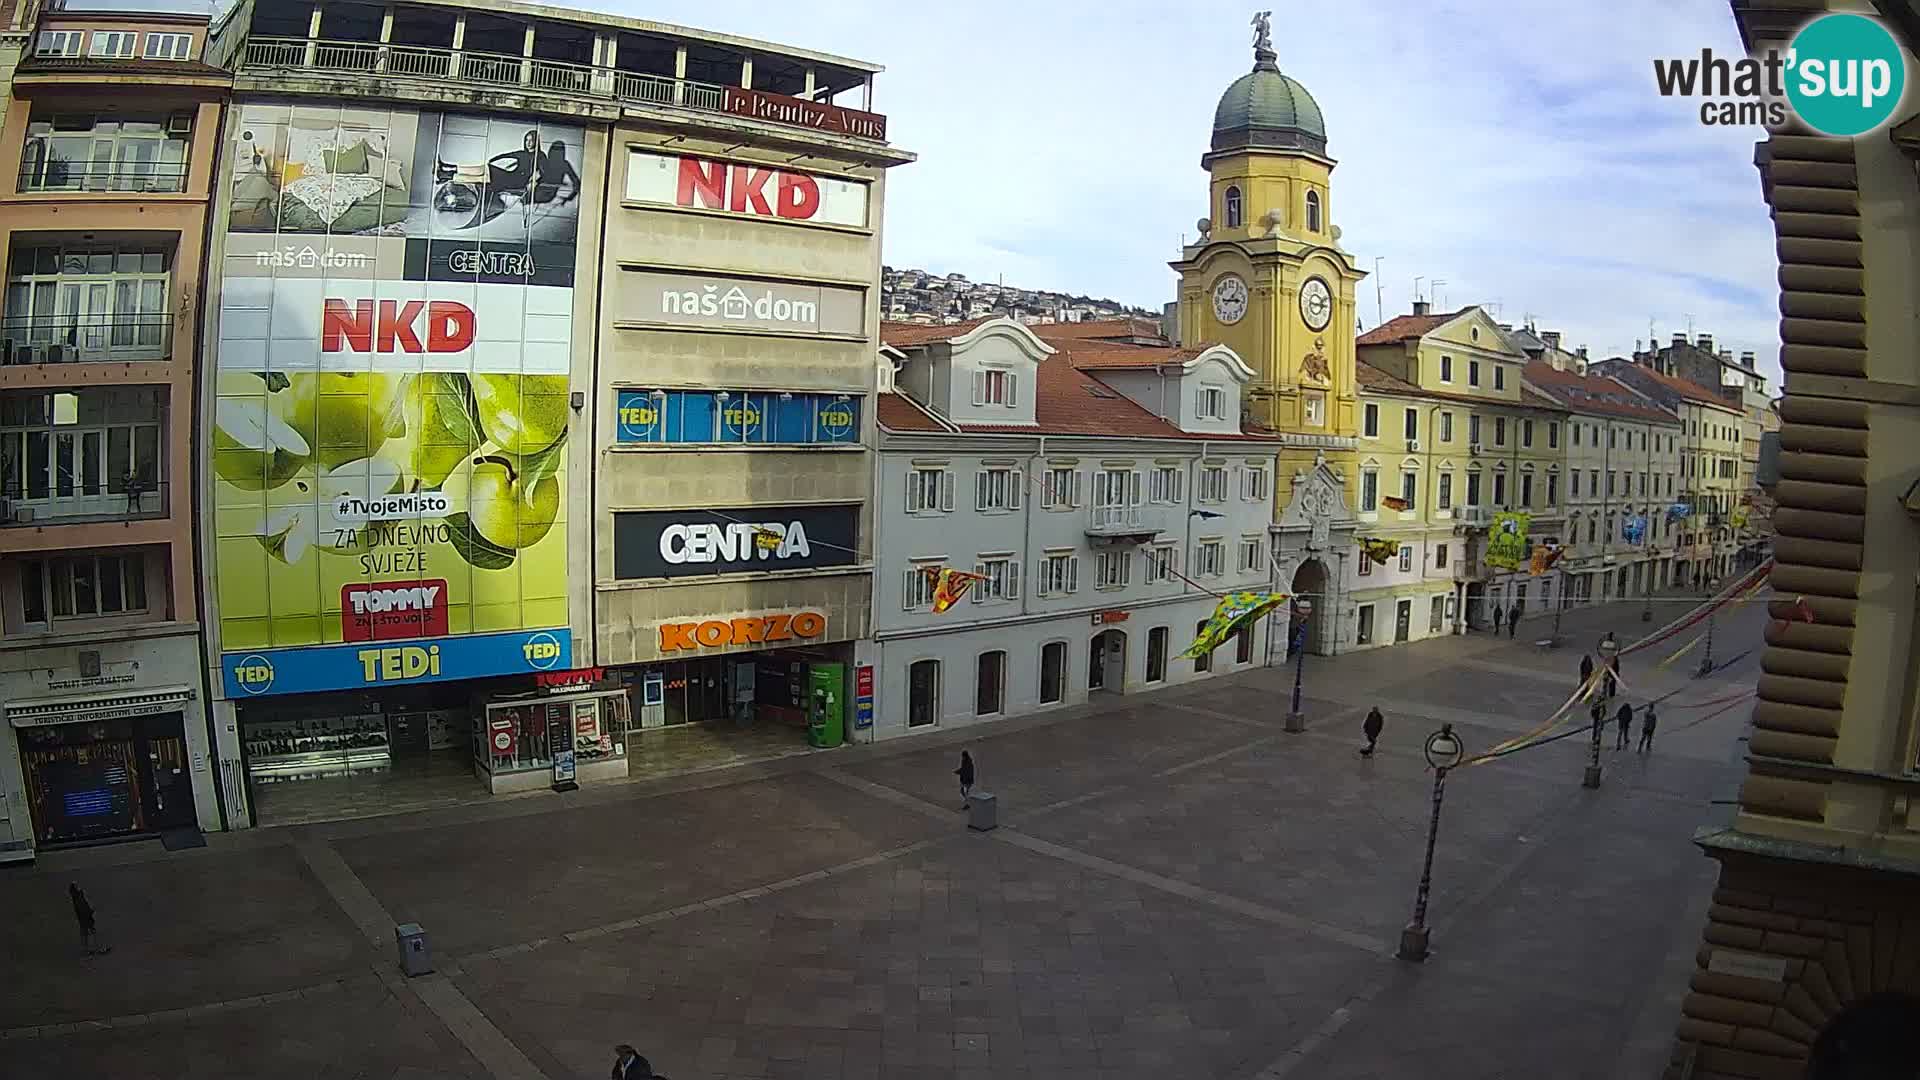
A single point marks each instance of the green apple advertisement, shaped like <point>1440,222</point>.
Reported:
<point>390,434</point>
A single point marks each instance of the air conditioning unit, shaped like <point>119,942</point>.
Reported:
<point>1474,448</point>
<point>1413,446</point>
<point>22,515</point>
<point>180,123</point>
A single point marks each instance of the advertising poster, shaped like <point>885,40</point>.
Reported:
<point>390,433</point>
<point>1507,543</point>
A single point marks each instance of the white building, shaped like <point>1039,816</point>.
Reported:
<point>1105,505</point>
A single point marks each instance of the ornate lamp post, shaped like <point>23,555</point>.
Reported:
<point>1443,752</point>
<point>1303,610</point>
<point>1706,661</point>
<point>1592,778</point>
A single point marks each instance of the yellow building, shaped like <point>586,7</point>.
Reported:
<point>1447,429</point>
<point>1268,278</point>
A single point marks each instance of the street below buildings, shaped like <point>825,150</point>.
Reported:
<point>1177,887</point>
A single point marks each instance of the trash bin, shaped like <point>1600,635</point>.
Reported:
<point>982,811</point>
<point>415,957</point>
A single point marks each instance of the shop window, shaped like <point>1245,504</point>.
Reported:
<point>1436,614</point>
<point>990,688</point>
<point>923,693</point>
<point>1157,654</point>
<point>1053,672</point>
<point>1203,662</point>
<point>1364,635</point>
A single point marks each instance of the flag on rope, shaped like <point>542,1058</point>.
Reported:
<point>1234,611</point>
<point>1380,551</point>
<point>949,586</point>
<point>767,539</point>
<point>1395,502</point>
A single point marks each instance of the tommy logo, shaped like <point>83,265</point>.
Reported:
<point>394,326</point>
<point>393,609</point>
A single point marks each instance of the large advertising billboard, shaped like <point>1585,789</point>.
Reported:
<point>390,433</point>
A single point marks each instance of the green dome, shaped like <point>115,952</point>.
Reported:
<point>1264,108</point>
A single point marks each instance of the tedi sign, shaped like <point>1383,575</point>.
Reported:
<point>684,543</point>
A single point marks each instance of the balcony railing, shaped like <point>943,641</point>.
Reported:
<point>1112,522</point>
<point>68,339</point>
<point>264,56</point>
<point>58,177</point>
<point>70,500</point>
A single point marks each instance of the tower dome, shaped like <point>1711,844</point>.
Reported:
<point>1265,109</point>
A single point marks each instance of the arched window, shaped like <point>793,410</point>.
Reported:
<point>1233,208</point>
<point>1313,211</point>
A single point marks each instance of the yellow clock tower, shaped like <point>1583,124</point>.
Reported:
<point>1267,275</point>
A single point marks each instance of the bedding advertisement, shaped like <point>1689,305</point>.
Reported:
<point>390,434</point>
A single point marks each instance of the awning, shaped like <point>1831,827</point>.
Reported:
<point>93,708</point>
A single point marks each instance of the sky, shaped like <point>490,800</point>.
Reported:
<point>1513,149</point>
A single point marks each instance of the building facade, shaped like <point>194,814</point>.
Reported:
<point>1806,967</point>
<point>531,335</point>
<point>111,130</point>
<point>1736,380</point>
<point>1105,494</point>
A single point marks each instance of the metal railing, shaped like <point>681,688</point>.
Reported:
<point>156,179</point>
<point>263,55</point>
<point>69,339</point>
<point>72,500</point>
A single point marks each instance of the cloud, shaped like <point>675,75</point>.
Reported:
<point>1517,150</point>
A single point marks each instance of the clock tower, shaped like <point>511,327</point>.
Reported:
<point>1267,275</point>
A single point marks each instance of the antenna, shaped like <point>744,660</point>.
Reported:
<point>1416,287</point>
<point>1379,294</point>
<point>1433,289</point>
<point>1689,326</point>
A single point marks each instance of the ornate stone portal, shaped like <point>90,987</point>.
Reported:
<point>1317,526</point>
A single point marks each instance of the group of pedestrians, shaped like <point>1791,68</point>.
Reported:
<point>1510,618</point>
<point>1610,689</point>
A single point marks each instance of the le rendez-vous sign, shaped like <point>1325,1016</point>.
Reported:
<point>797,112</point>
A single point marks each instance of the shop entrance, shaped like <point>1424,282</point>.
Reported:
<point>724,710</point>
<point>1107,661</point>
<point>97,780</point>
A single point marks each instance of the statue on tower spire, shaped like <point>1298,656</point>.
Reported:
<point>1263,54</point>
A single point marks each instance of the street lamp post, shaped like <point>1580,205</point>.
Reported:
<point>1592,778</point>
<point>1296,720</point>
<point>1706,661</point>
<point>1443,752</point>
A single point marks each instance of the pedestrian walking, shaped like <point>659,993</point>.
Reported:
<point>1498,615</point>
<point>965,773</point>
<point>629,1065</point>
<point>83,914</point>
<point>1625,718</point>
<point>1370,727</point>
<point>1513,622</point>
<point>1586,670</point>
<point>1648,721</point>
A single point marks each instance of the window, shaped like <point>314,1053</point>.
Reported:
<point>1593,483</point>
<point>168,46</point>
<point>1613,439</point>
<point>923,693</point>
<point>1436,614</point>
<point>1059,573</point>
<point>1446,427</point>
<point>1313,211</point>
<point>1473,487</point>
<point>999,579</point>
<point>113,44</point>
<point>1526,489</point>
<point>86,301</point>
<point>1499,489</point>
<point>1164,484</point>
<point>1210,558</point>
<point>1157,654</point>
<point>1213,484</point>
<point>992,386</point>
<point>1316,408</point>
<point>1410,423</point>
<point>88,452</point>
<point>1366,565</point>
<point>1243,645</point>
<point>1499,377</point>
<point>1553,489</point>
<point>1473,373</point>
<point>929,490</point>
<point>1369,490</point>
<point>1053,672</point>
<point>1643,484</point>
<point>1060,489</point>
<point>1592,526</point>
<point>60,43</point>
<point>1372,425</point>
<point>1446,369</point>
<point>1473,430</point>
<point>1553,435</point>
<point>917,590</point>
<point>1364,635</point>
<point>1643,440</point>
<point>1575,428</point>
<point>1162,561</point>
<point>1444,499</point>
<point>996,489</point>
<point>1113,569</point>
<point>1499,431</point>
<point>1203,662</point>
<point>1213,403</point>
<point>1406,558</point>
<point>1439,556</point>
<point>82,587</point>
<point>1233,208</point>
<point>1408,482</point>
<point>1253,483</point>
<point>1609,482</point>
<point>1526,433</point>
<point>1253,556</point>
<point>990,687</point>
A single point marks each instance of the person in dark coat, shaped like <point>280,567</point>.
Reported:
<point>83,914</point>
<point>1586,670</point>
<point>1625,718</point>
<point>629,1065</point>
<point>965,773</point>
<point>1371,727</point>
<point>1513,622</point>
<point>1648,721</point>
<point>1498,616</point>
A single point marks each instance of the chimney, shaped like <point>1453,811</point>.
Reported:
<point>1705,341</point>
<point>1581,352</point>
<point>1746,359</point>
<point>1422,307</point>
<point>1170,321</point>
<point>1551,337</point>
<point>1679,340</point>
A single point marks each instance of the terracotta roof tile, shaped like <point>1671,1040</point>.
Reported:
<point>1374,379</point>
<point>905,334</point>
<point>1686,388</point>
<point>1090,356</point>
<point>1098,329</point>
<point>1402,327</point>
<point>1592,393</point>
<point>897,412</point>
<point>1067,401</point>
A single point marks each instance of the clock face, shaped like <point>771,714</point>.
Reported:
<point>1316,303</point>
<point>1229,299</point>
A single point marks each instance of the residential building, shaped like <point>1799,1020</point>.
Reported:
<point>1105,494</point>
<point>1445,414</point>
<point>1806,967</point>
<point>544,370</point>
<point>1710,463</point>
<point>1741,384</point>
<point>111,129</point>
<point>1622,473</point>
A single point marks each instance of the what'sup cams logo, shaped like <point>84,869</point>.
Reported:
<point>1842,75</point>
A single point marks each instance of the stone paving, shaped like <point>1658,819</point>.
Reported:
<point>1178,888</point>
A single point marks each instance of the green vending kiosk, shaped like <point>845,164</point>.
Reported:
<point>827,704</point>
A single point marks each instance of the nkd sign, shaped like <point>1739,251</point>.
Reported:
<point>690,543</point>
<point>726,303</point>
<point>744,188</point>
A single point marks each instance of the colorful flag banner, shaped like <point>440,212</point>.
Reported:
<point>1394,502</point>
<point>1634,529</point>
<point>1507,543</point>
<point>767,539</point>
<point>1678,511</point>
<point>949,586</point>
<point>1234,611</point>
<point>1740,518</point>
<point>1380,551</point>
